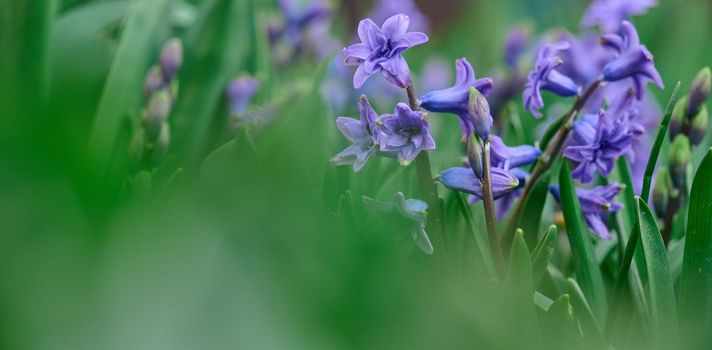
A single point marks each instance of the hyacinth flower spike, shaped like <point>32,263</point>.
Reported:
<point>361,133</point>
<point>455,99</point>
<point>380,50</point>
<point>633,61</point>
<point>596,204</point>
<point>464,180</point>
<point>545,76</point>
<point>404,133</point>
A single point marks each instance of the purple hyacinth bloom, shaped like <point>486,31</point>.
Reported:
<point>596,204</point>
<point>544,76</point>
<point>503,156</point>
<point>387,8</point>
<point>515,44</point>
<point>239,93</point>
<point>404,133</point>
<point>380,49</point>
<point>464,180</point>
<point>362,135</point>
<point>503,205</point>
<point>609,14</point>
<point>600,148</point>
<point>633,60</point>
<point>456,98</point>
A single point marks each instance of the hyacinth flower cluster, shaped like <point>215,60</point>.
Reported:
<point>151,140</point>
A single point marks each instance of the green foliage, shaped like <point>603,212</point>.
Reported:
<point>587,272</point>
<point>660,284</point>
<point>695,298</point>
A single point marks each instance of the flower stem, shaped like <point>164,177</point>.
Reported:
<point>553,149</point>
<point>434,224</point>
<point>490,216</point>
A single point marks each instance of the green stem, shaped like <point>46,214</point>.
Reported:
<point>428,190</point>
<point>553,149</point>
<point>490,215</point>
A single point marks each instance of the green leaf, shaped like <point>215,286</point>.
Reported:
<point>632,244</point>
<point>590,328</point>
<point>559,325</point>
<point>695,299</point>
<point>662,296</point>
<point>584,259</point>
<point>519,285</point>
<point>543,252</point>
<point>653,159</point>
<point>24,63</point>
<point>216,50</point>
<point>542,301</point>
<point>481,239</point>
<point>121,98</point>
<point>533,209</point>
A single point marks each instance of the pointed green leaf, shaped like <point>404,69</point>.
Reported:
<point>662,296</point>
<point>695,298</point>
<point>590,328</point>
<point>584,259</point>
<point>520,289</point>
<point>559,325</point>
<point>543,252</point>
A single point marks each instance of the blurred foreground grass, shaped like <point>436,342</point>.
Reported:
<point>242,250</point>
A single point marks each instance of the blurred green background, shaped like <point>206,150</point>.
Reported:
<point>249,248</point>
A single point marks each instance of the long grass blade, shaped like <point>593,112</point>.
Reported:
<point>695,299</point>
<point>584,259</point>
<point>662,297</point>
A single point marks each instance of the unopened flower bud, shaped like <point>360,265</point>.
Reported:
<point>171,58</point>
<point>475,156</point>
<point>660,192</point>
<point>239,93</point>
<point>698,126</point>
<point>677,119</point>
<point>680,155</point>
<point>479,112</point>
<point>463,180</point>
<point>159,107</point>
<point>154,82</point>
<point>699,92</point>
